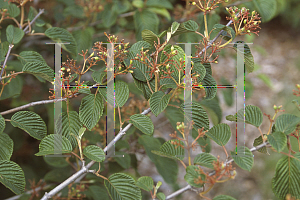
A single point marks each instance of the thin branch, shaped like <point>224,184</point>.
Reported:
<point>7,55</point>
<point>41,11</point>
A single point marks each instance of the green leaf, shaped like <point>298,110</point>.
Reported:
<point>90,110</point>
<point>143,86</point>
<point>210,92</point>
<point>266,8</point>
<point>243,157</point>
<point>56,161</point>
<point>109,15</point>
<point>31,123</point>
<point>57,175</point>
<point>205,160</point>
<point>61,35</point>
<point>141,71</point>
<point>143,123</point>
<point>160,4</point>
<point>193,176</point>
<point>227,92</point>
<point>83,39</point>
<point>199,116</point>
<point>98,75</point>
<point>13,10</point>
<point>158,102</point>
<point>121,186</point>
<point>277,140</point>
<point>286,123</point>
<point>149,37</point>
<point>14,35</point>
<point>137,47</point>
<point>253,115</point>
<point>218,27</point>
<point>186,27</point>
<point>286,179</point>
<point>259,141</point>
<point>96,191</point>
<point>161,11</point>
<point>145,19</point>
<point>39,69</point>
<point>167,83</point>
<point>31,56</point>
<point>13,89</point>
<point>161,196</point>
<point>176,60</point>
<point>169,173</point>
<point>248,57</point>
<point>213,109</point>
<point>6,146</point>
<point>223,197</point>
<point>2,124</point>
<point>220,133</point>
<point>199,69</point>
<point>70,123</point>
<point>174,27</point>
<point>12,176</point>
<point>123,159</point>
<point>94,153</point>
<point>54,144</point>
<point>122,93</point>
<point>145,183</point>
<point>170,150</point>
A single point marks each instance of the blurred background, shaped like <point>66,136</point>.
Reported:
<point>276,54</point>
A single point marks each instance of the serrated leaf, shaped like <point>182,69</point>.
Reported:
<point>13,89</point>
<point>220,133</point>
<point>286,123</point>
<point>141,71</point>
<point>248,57</point>
<point>143,123</point>
<point>14,35</point>
<point>158,102</point>
<point>98,75</point>
<point>12,176</point>
<point>266,8</point>
<point>143,86</point>
<point>39,69</point>
<point>6,146</point>
<point>193,176</point>
<point>243,157</point>
<point>149,37</point>
<point>90,110</point>
<point>186,27</point>
<point>277,140</point>
<point>122,93</point>
<point>94,153</point>
<point>167,83</point>
<point>170,150</point>
<point>223,197</point>
<point>286,179</point>
<point>199,69</point>
<point>205,160</point>
<point>30,56</point>
<point>63,36</point>
<point>136,47</point>
<point>145,19</point>
<point>199,116</point>
<point>54,144</point>
<point>13,10</point>
<point>31,123</point>
<point>2,124</point>
<point>218,27</point>
<point>122,187</point>
<point>211,91</point>
<point>145,183</point>
<point>259,141</point>
<point>253,115</point>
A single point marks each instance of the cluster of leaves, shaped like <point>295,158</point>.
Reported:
<point>157,68</point>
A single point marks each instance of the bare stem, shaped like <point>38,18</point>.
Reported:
<point>41,11</point>
<point>6,58</point>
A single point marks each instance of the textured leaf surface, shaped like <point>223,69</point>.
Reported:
<point>145,183</point>
<point>94,153</point>
<point>193,175</point>
<point>6,146</point>
<point>2,124</point>
<point>170,150</point>
<point>63,36</point>
<point>253,115</point>
<point>122,93</point>
<point>286,179</point>
<point>243,158</point>
<point>161,196</point>
<point>54,144</point>
<point>158,102</point>
<point>90,110</point>
<point>31,123</point>
<point>13,10</point>
<point>143,123</point>
<point>14,35</point>
<point>220,133</point>
<point>205,160</point>
<point>266,8</point>
<point>286,123</point>
<point>40,69</point>
<point>213,109</point>
<point>122,187</point>
<point>259,141</point>
<point>12,176</point>
<point>145,20</point>
<point>248,57</point>
<point>223,197</point>
<point>277,140</point>
<point>185,27</point>
<point>211,91</point>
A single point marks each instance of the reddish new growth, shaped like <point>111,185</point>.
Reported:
<point>244,22</point>
<point>295,92</point>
